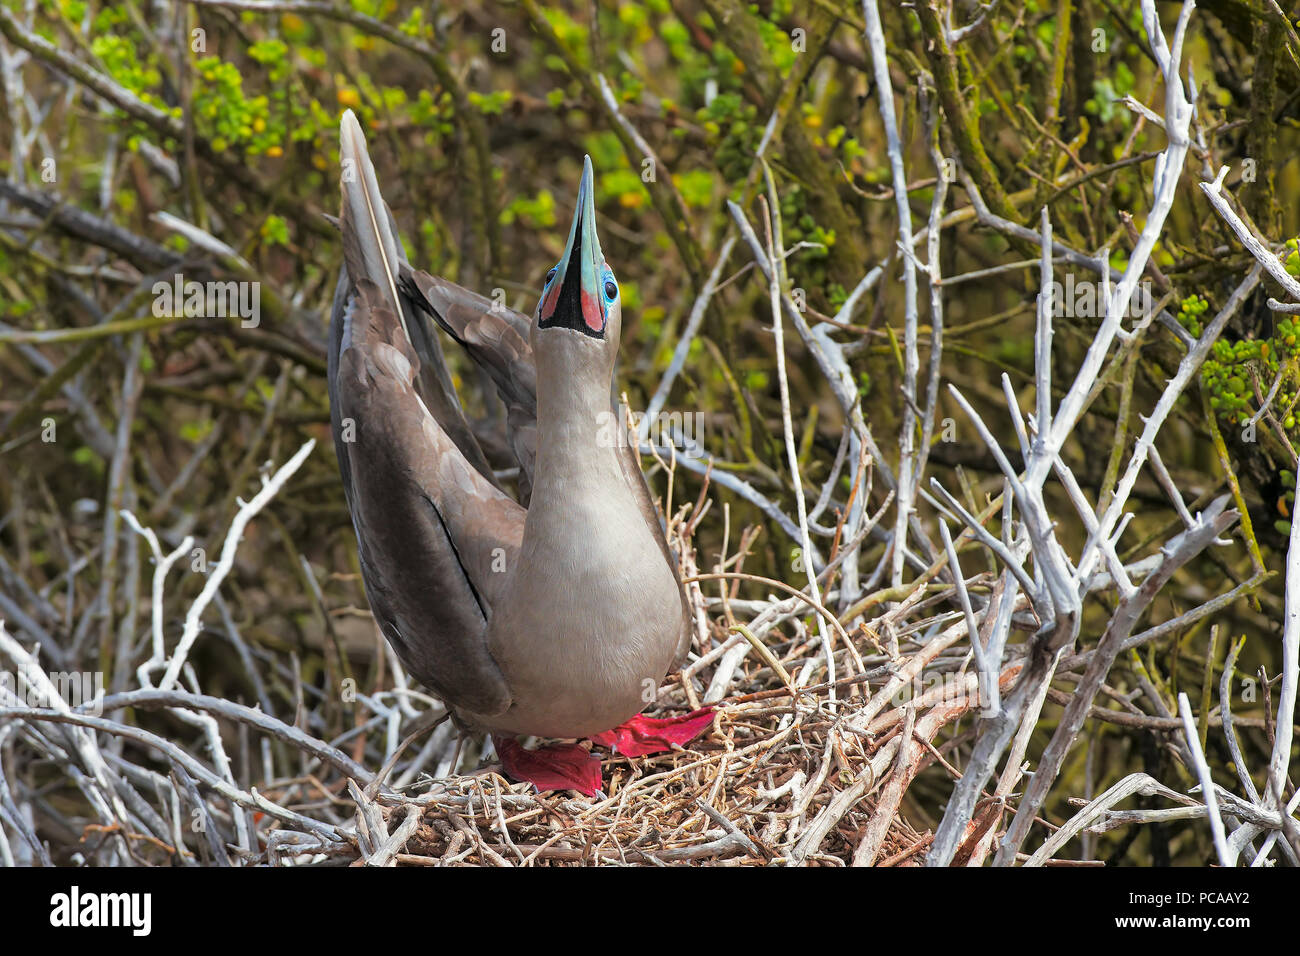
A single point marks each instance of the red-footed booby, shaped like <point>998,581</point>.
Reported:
<point>557,617</point>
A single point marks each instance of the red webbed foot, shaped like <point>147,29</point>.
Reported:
<point>573,767</point>
<point>553,767</point>
<point>644,735</point>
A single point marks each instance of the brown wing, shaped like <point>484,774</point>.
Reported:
<point>497,339</point>
<point>371,248</point>
<point>431,531</point>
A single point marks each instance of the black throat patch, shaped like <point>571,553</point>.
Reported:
<point>567,313</point>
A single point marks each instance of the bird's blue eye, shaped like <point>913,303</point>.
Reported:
<point>611,289</point>
<point>550,275</point>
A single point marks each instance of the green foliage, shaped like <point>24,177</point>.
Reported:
<point>1291,258</point>
<point>731,127</point>
<point>536,211</point>
<point>778,44</point>
<point>571,34</point>
<point>696,187</point>
<point>1190,312</point>
<point>490,104</point>
<point>122,60</point>
<point>1108,91</point>
<point>275,231</point>
<point>195,431</point>
<point>1238,375</point>
<point>226,116</point>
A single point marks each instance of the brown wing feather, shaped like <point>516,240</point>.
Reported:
<point>497,339</point>
<point>372,250</point>
<point>429,526</point>
<point>432,528</point>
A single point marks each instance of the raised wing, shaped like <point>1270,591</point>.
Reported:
<point>371,245</point>
<point>433,531</point>
<point>497,339</point>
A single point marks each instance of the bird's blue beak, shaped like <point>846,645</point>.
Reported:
<point>573,297</point>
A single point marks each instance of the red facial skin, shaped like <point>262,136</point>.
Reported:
<point>592,313</point>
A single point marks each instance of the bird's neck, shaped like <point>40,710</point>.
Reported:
<point>577,430</point>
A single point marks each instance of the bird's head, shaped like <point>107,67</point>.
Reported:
<point>581,296</point>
